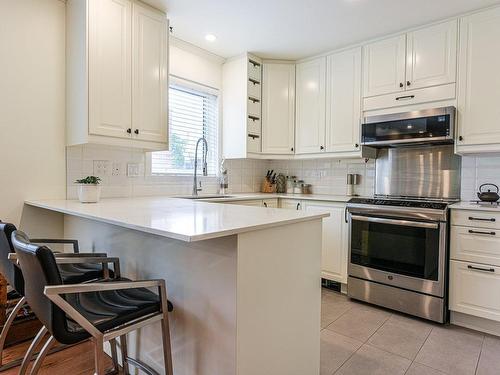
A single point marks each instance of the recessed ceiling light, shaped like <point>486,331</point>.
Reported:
<point>210,38</point>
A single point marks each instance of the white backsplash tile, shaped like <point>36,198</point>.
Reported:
<point>478,170</point>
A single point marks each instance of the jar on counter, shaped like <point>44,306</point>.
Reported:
<point>297,187</point>
<point>290,183</point>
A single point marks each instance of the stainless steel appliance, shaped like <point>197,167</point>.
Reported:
<point>399,240</point>
<point>434,125</point>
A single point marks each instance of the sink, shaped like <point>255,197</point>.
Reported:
<point>215,196</point>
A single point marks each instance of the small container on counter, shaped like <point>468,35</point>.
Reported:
<point>306,189</point>
<point>290,183</point>
<point>297,187</point>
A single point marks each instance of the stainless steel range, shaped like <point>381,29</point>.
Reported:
<point>399,240</point>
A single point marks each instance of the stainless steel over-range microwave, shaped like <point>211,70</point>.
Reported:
<point>436,125</point>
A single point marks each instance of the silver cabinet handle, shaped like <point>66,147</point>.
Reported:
<point>480,232</point>
<point>405,223</point>
<point>480,269</point>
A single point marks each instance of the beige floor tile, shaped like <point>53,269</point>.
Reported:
<point>335,350</point>
<point>372,361</point>
<point>489,361</point>
<point>360,322</point>
<point>452,350</point>
<point>418,369</point>
<point>332,310</point>
<point>401,335</point>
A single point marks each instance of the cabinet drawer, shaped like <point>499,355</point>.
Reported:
<point>253,125</point>
<point>270,203</point>
<point>256,203</point>
<point>254,107</point>
<point>475,289</point>
<point>254,89</point>
<point>478,219</point>
<point>291,204</point>
<point>475,245</point>
<point>253,143</point>
<point>254,70</point>
<point>410,97</point>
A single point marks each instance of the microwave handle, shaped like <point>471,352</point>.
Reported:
<point>405,223</point>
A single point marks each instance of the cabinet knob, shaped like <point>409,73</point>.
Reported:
<point>408,83</point>
<point>460,138</point>
<point>129,131</point>
<point>356,145</point>
<point>321,148</point>
<point>265,204</point>
<point>291,149</point>
<point>401,84</point>
<point>136,131</point>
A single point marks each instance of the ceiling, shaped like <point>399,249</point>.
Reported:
<point>293,29</point>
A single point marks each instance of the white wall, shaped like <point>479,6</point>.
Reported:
<point>32,104</point>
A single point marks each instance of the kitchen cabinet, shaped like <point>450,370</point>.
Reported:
<point>343,101</point>
<point>475,264</point>
<point>479,84</point>
<point>117,78</point>
<point>242,107</point>
<point>310,106</point>
<point>421,58</point>
<point>290,204</point>
<point>278,108</point>
<point>335,236</point>
<point>270,203</point>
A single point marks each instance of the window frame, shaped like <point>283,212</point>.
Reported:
<point>191,85</point>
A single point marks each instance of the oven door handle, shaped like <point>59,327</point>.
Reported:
<point>405,223</point>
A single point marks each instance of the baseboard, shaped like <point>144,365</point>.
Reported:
<point>476,323</point>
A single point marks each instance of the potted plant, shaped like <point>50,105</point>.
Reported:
<point>89,190</point>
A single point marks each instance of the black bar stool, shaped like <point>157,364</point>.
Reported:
<point>71,273</point>
<point>100,311</point>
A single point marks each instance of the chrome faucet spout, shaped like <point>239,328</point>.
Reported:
<point>196,189</point>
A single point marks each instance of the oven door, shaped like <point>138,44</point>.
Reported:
<point>403,253</point>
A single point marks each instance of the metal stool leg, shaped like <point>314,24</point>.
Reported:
<point>5,331</point>
<point>165,330</point>
<point>29,354</point>
<point>41,356</point>
<point>123,348</point>
<point>114,356</point>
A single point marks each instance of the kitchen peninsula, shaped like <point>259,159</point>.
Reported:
<point>244,281</point>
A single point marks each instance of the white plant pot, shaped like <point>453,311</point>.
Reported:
<point>89,193</point>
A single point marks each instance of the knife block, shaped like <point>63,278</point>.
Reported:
<point>268,187</point>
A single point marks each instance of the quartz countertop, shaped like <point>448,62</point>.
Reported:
<point>181,219</point>
<point>466,205</point>
<point>256,196</point>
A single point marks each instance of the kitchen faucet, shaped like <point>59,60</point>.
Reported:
<point>205,169</point>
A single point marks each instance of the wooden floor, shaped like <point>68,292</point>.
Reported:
<point>75,360</point>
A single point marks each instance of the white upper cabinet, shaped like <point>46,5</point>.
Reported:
<point>421,58</point>
<point>343,101</point>
<point>384,66</point>
<point>310,106</point>
<point>431,56</point>
<point>110,67</point>
<point>150,81</point>
<point>116,74</point>
<point>479,83</point>
<point>278,108</point>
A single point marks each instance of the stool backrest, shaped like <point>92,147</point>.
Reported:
<point>39,268</point>
<point>9,270</point>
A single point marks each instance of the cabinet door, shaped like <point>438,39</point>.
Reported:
<point>310,110</point>
<point>343,101</point>
<point>431,56</point>
<point>110,72</point>
<point>270,203</point>
<point>278,107</point>
<point>290,204</point>
<point>334,251</point>
<point>150,87</point>
<point>384,66</point>
<point>479,81</point>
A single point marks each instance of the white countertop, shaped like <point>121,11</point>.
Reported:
<point>182,219</point>
<point>465,205</point>
<point>255,196</point>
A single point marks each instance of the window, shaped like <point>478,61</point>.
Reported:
<point>193,113</point>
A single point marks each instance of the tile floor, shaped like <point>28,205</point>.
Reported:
<point>358,339</point>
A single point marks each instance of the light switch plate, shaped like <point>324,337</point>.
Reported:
<point>101,168</point>
<point>133,170</point>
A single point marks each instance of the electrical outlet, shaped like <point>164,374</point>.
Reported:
<point>116,169</point>
<point>101,168</point>
<point>133,170</point>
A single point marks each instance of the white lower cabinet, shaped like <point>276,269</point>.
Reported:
<point>475,289</point>
<point>270,203</point>
<point>291,204</point>
<point>335,233</point>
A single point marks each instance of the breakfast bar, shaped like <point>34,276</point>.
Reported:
<point>244,281</point>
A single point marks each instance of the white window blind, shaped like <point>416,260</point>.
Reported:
<point>192,114</point>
